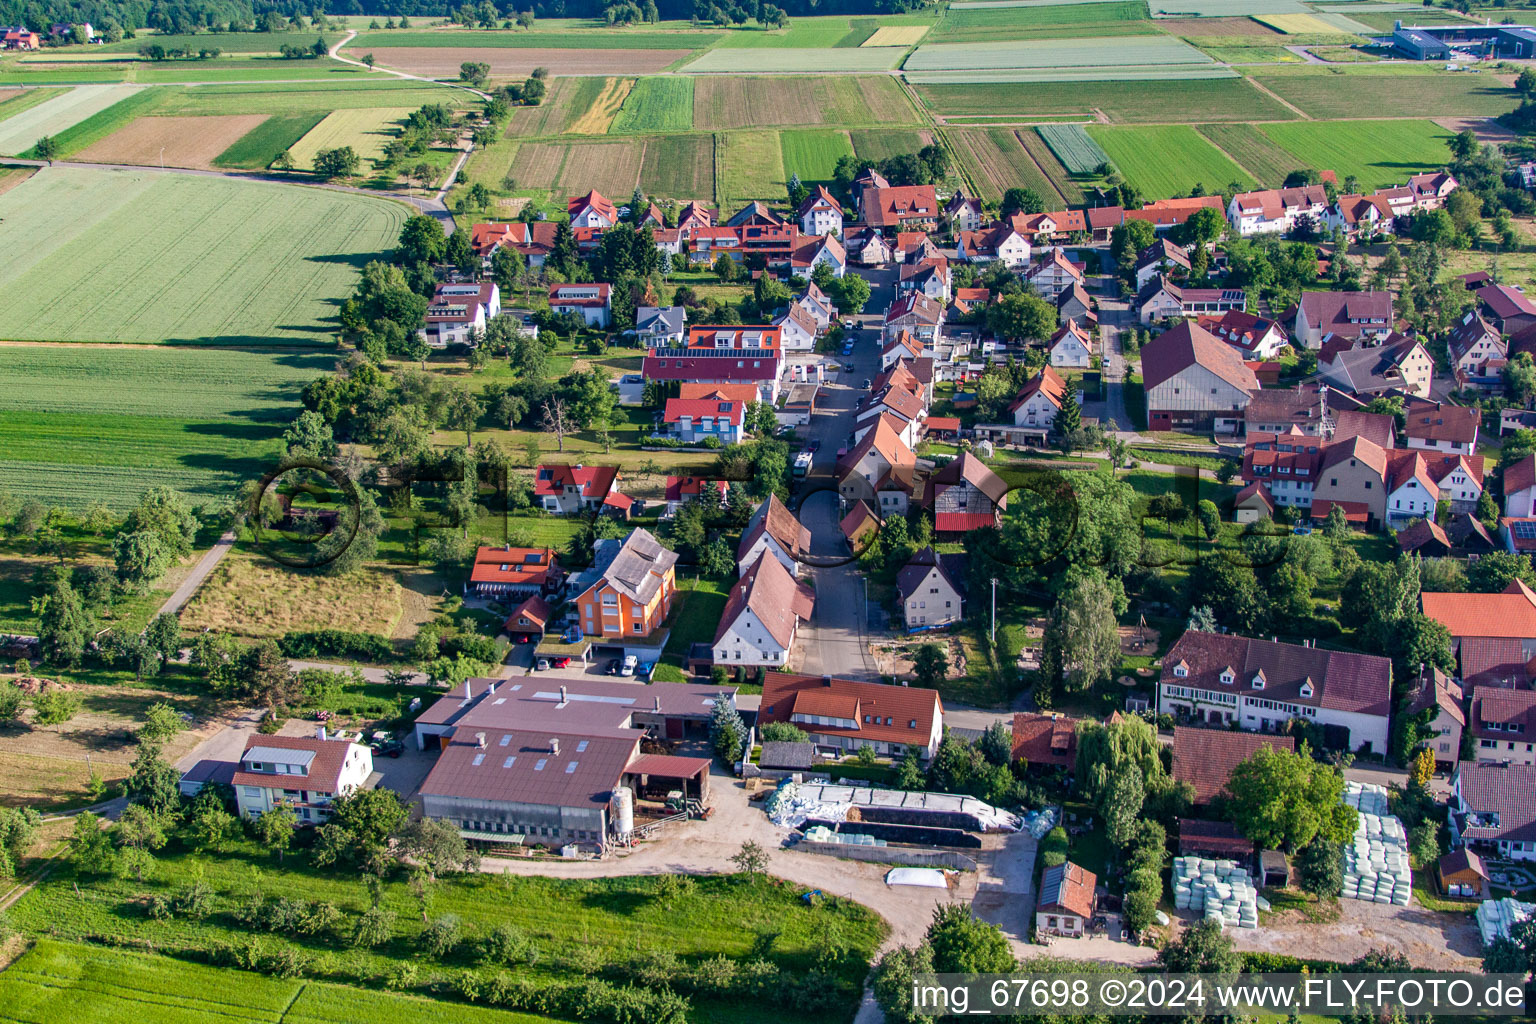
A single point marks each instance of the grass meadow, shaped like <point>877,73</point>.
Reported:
<point>91,255</point>
<point>263,144</point>
<point>657,104</point>
<point>1167,160</point>
<point>57,114</point>
<point>1254,151</point>
<point>1379,153</point>
<point>80,425</point>
<point>1340,92</point>
<point>978,24</point>
<point>365,129</point>
<point>1226,99</point>
<point>813,153</point>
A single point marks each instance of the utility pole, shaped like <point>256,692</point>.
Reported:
<point>992,635</point>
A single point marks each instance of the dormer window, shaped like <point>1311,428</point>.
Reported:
<point>1258,680</point>
<point>1306,688</point>
<point>1181,670</point>
<point>1227,677</point>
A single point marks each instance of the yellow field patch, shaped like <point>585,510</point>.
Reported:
<point>256,598</point>
<point>365,129</point>
<point>896,35</point>
<point>600,114</point>
<point>1297,24</point>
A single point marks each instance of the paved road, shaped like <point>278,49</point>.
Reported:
<point>205,565</point>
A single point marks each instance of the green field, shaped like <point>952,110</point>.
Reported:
<point>1114,51</point>
<point>996,161</point>
<point>26,101</point>
<point>679,166</point>
<point>57,114</point>
<point>263,144</point>
<point>813,153</point>
<point>750,166</point>
<point>882,143</point>
<point>1232,99</point>
<point>623,39</point>
<point>1379,153</point>
<point>1073,146</point>
<point>1349,91</point>
<point>657,104</point>
<point>751,101</point>
<point>365,129</point>
<point>89,255</point>
<point>229,42</point>
<point>1167,160</point>
<point>80,425</point>
<point>1224,8</point>
<point>834,32</point>
<point>768,61</point>
<point>102,123</point>
<point>981,24</point>
<point>293,97</point>
<point>1254,151</point>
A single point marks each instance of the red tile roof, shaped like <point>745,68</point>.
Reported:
<point>697,408</point>
<point>591,481</point>
<point>771,594</point>
<point>681,488</point>
<point>324,774</point>
<point>1204,758</point>
<point>597,202</point>
<point>529,617</point>
<point>1510,614</point>
<point>893,205</point>
<point>785,694</point>
<point>1067,888</point>
<point>1342,681</point>
<point>1045,739</point>
<point>518,567</point>
<point>1185,345</point>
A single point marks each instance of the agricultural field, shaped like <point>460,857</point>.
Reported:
<point>605,39</point>
<point>770,61</point>
<point>840,32</point>
<point>751,166</point>
<point>596,119</point>
<point>998,161</point>
<point>1247,54</point>
<point>1343,92</point>
<point>896,35</point>
<point>882,143</point>
<point>679,166</point>
<point>14,101</point>
<point>662,104</point>
<point>58,981</point>
<point>289,98</point>
<point>813,153</point>
<point>751,102</point>
<point>612,168</point>
<point>228,42</point>
<point>1254,151</point>
<point>1224,8</point>
<point>1296,24</point>
<point>985,24</point>
<point>172,141</point>
<point>366,130</point>
<point>1383,21</point>
<point>80,425</point>
<point>250,596</point>
<point>513,62</point>
<point>19,132</point>
<point>1116,51</point>
<point>1379,153</point>
<point>274,136</point>
<point>1232,99</point>
<point>89,255</point>
<point>1052,168</point>
<point>1073,146</point>
<point>568,101</point>
<point>1167,160</point>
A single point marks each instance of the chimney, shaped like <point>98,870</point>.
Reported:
<point>480,740</point>
<point>657,707</point>
<point>554,745</point>
<point>490,689</point>
<point>320,732</point>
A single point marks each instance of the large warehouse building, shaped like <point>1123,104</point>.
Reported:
<point>539,762</point>
<point>1441,42</point>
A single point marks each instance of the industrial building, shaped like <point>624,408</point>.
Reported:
<point>1441,42</point>
<point>558,763</point>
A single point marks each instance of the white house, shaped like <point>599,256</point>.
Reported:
<point>963,213</point>
<point>592,210</point>
<point>818,251</point>
<point>932,590</point>
<point>661,327</point>
<point>1053,276</point>
<point>459,312</point>
<point>1492,808</point>
<point>305,772</point>
<point>773,528</point>
<point>797,327</point>
<point>762,614</point>
<point>821,214</point>
<point>589,301</point>
<point>1520,488</point>
<point>1039,400</point>
<point>1071,347</point>
<point>1277,210</point>
<point>696,419</point>
<point>998,243</point>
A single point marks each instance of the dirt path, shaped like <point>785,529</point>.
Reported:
<point>205,565</point>
<point>1287,104</point>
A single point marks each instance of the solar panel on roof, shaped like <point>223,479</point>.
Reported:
<point>1525,531</point>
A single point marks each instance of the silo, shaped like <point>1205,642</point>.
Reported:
<point>623,807</point>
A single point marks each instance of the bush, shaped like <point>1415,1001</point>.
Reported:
<point>442,935</point>
<point>1054,847</point>
<point>1143,891</point>
<point>336,643</point>
<point>476,648</point>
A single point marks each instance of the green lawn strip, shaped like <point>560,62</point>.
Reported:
<point>102,123</point>
<point>1350,90</point>
<point>1167,160</point>
<point>288,97</point>
<point>656,104</point>
<point>26,101</point>
<point>1066,20</point>
<point>228,42</point>
<point>696,612</point>
<point>1379,153</point>
<point>813,153</point>
<point>881,143</point>
<point>257,148</point>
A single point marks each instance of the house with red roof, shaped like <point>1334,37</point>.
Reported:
<point>899,206</point>
<point>531,616</point>
<point>592,210</point>
<point>1195,381</point>
<point>1071,347</point>
<point>591,302</point>
<point>1256,337</point>
<point>1347,315</point>
<point>858,526</point>
<point>821,213</point>
<point>1048,739</point>
<point>1068,896</point>
<point>506,571</point>
<point>963,212</point>
<point>1520,487</point>
<point>845,715</point>
<point>565,489</point>
<point>966,495</point>
<point>1478,353</point>
<point>1438,427</point>
<point>1487,630</point>
<point>1503,720</point>
<point>762,614</point>
<point>1165,214</point>
<point>695,420</point>
<point>1506,307</point>
<point>458,313</point>
<point>1277,210</point>
<point>1161,299</point>
<point>881,469</point>
<point>1204,758</point>
<point>683,489</point>
<point>306,773</point>
<point>1493,808</point>
<point>775,529</point>
<point>1261,685</point>
<point>1041,228</point>
<point>1001,242</point>
<point>1053,275</point>
<point>1039,400</point>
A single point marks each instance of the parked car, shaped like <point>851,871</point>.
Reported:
<point>630,663</point>
<point>613,667</point>
<point>562,663</point>
<point>868,383</point>
<point>646,668</point>
<point>813,445</point>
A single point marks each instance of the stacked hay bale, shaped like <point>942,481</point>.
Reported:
<point>1219,889</point>
<point>1495,918</point>
<point>1376,860</point>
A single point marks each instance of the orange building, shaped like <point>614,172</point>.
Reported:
<point>634,594</point>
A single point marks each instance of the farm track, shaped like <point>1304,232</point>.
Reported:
<point>1266,90</point>
<point>1055,188</point>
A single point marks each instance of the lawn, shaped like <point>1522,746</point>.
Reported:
<point>1167,160</point>
<point>365,129</point>
<point>1253,151</point>
<point>263,144</point>
<point>1423,92</point>
<point>611,918</point>
<point>89,255</point>
<point>813,153</point>
<point>19,132</point>
<point>288,98</point>
<point>751,166</point>
<point>700,602</point>
<point>802,33</point>
<point>1232,99</point>
<point>657,105</point>
<point>1379,153</point>
<point>1113,51</point>
<point>81,425</point>
<point>250,596</point>
<point>58,981</point>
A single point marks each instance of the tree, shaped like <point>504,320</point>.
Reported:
<point>1495,571</point>
<point>724,268</point>
<point>368,60</point>
<point>422,240</point>
<point>63,625</point>
<point>359,827</point>
<point>274,829</point>
<point>209,825</point>
<point>751,859</point>
<point>557,420</point>
<point>965,944</point>
<point>1022,316</point>
<point>849,293</point>
<point>1204,226</point>
<point>1320,865</point>
<point>90,847</point>
<point>996,744</point>
<point>1082,642</point>
<point>1129,239</point>
<point>1022,200</point>
<point>781,732</point>
<point>894,983</point>
<point>139,832</point>
<point>1120,805</point>
<point>54,707</point>
<point>1069,420</point>
<point>474,72</point>
<point>437,846</point>
<point>1202,949</point>
<point>46,148</point>
<point>1230,590</point>
<point>727,732</point>
<point>1282,799</point>
<point>161,723</point>
<point>13,700</point>
<point>153,781</point>
<point>930,664</point>
<point>18,827</point>
<point>341,162</point>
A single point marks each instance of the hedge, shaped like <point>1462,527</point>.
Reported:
<point>336,643</point>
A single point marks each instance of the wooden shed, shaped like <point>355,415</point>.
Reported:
<point>1461,874</point>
